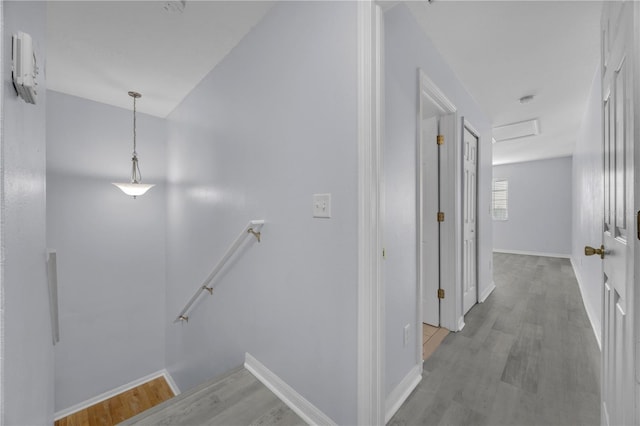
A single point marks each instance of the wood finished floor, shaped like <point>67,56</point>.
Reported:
<point>431,339</point>
<point>527,356</point>
<point>122,406</point>
<point>238,398</point>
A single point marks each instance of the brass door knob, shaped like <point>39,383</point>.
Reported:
<point>590,251</point>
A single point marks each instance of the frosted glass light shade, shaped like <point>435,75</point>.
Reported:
<point>134,189</point>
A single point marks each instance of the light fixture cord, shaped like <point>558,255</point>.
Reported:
<point>136,176</point>
<point>134,126</point>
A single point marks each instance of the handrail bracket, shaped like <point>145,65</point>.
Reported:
<point>254,233</point>
<point>209,289</point>
<point>183,318</point>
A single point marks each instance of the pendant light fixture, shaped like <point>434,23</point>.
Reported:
<point>134,188</point>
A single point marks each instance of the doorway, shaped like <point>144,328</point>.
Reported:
<point>436,126</point>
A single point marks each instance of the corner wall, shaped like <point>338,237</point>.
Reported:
<point>539,209</point>
<point>588,205</point>
<point>407,49</point>
<point>110,247</point>
<point>27,349</point>
<point>272,124</point>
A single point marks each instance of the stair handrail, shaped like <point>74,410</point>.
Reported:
<point>253,228</point>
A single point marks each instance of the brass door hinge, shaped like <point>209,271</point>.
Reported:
<point>440,216</point>
<point>440,293</point>
<point>440,139</point>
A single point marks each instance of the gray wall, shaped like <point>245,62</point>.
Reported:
<point>110,247</point>
<point>539,207</point>
<point>272,124</point>
<point>588,194</point>
<point>27,349</point>
<point>407,49</point>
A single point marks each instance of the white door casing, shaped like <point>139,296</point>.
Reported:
<point>618,384</point>
<point>432,103</point>
<point>370,358</point>
<point>469,216</point>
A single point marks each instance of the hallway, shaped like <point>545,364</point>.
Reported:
<point>526,356</point>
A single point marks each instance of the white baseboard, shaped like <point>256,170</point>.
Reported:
<point>172,384</point>
<point>533,253</point>
<point>487,292</point>
<point>595,325</point>
<point>399,395</point>
<point>113,392</point>
<point>461,323</point>
<point>301,406</point>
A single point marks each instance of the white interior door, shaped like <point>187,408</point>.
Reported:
<point>430,233</point>
<point>469,209</point>
<point>617,336</point>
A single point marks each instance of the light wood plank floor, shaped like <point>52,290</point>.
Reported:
<point>237,398</point>
<point>122,406</point>
<point>431,339</point>
<point>527,356</point>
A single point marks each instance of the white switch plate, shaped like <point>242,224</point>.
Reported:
<point>322,205</point>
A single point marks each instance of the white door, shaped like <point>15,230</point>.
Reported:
<point>617,334</point>
<point>430,232</point>
<point>469,205</point>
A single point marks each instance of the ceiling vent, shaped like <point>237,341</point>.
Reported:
<point>516,130</point>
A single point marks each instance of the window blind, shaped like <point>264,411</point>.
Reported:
<point>500,199</point>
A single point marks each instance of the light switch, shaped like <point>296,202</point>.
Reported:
<point>322,205</point>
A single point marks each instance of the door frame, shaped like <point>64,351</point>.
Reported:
<point>370,287</point>
<point>450,306</point>
<point>2,281</point>
<point>636,207</point>
<point>635,300</point>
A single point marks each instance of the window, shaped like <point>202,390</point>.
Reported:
<point>500,199</point>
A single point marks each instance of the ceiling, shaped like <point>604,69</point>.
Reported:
<point>500,50</point>
<point>504,50</point>
<point>100,50</point>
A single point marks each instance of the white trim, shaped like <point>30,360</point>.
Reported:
<point>299,404</point>
<point>387,5</point>
<point>449,309</point>
<point>533,253</point>
<point>487,292</point>
<point>2,225</point>
<point>595,324</point>
<point>370,314</point>
<point>399,395</point>
<point>461,323</point>
<point>172,384</point>
<point>437,96</point>
<point>113,392</point>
